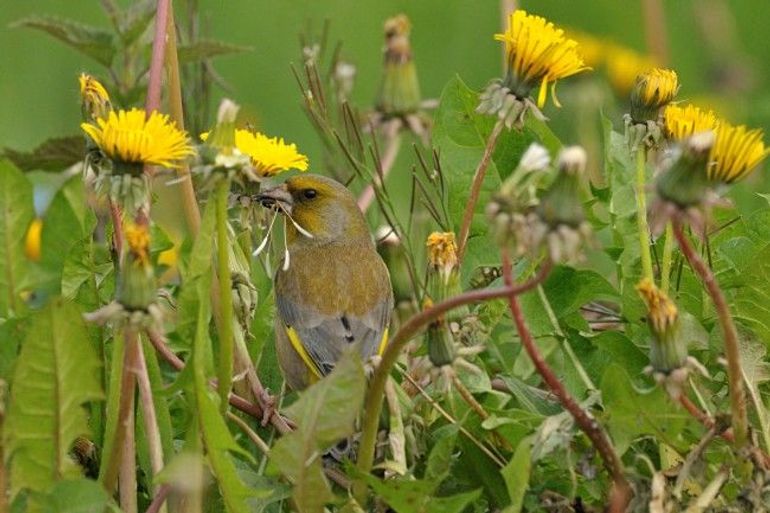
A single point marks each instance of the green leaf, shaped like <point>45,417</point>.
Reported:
<point>55,154</point>
<point>16,214</point>
<point>199,260</point>
<point>132,22</point>
<point>452,504</point>
<point>91,41</point>
<point>631,413</point>
<point>568,289</point>
<point>516,475</point>
<point>206,49</point>
<point>76,496</point>
<point>324,414</point>
<point>440,458</point>
<point>216,437</point>
<point>57,371</point>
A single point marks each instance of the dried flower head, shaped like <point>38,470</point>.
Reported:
<point>442,250</point>
<point>133,138</point>
<point>399,93</point>
<point>682,122</point>
<point>662,312</point>
<point>537,53</point>
<point>736,153</point>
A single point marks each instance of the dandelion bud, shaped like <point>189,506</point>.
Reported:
<point>392,251</point>
<point>652,91</point>
<point>561,204</point>
<point>685,183</point>
<point>136,287</point>
<point>535,158</point>
<point>400,88</point>
<point>244,298</point>
<point>223,135</point>
<point>94,100</point>
<point>443,273</point>
<point>668,348</point>
<point>441,348</point>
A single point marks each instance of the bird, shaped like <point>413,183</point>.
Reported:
<point>333,290</point>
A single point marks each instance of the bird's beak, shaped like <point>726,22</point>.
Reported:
<point>277,198</point>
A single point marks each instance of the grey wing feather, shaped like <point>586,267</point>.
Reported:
<point>325,337</point>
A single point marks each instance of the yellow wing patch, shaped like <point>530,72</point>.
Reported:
<point>383,342</point>
<point>296,343</point>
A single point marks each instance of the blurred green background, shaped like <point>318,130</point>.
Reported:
<point>719,48</point>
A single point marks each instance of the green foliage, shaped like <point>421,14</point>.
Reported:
<point>94,42</point>
<point>16,214</point>
<point>52,155</point>
<point>57,372</point>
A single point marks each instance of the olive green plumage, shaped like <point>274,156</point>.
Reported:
<point>336,292</point>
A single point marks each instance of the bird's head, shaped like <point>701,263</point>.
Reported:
<point>323,207</point>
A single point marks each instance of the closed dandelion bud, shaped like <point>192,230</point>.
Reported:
<point>686,183</point>
<point>669,361</point>
<point>441,348</point>
<point>394,255</point>
<point>561,204</point>
<point>223,135</point>
<point>400,89</point>
<point>244,298</point>
<point>443,273</point>
<point>94,99</point>
<point>136,288</point>
<point>652,91</point>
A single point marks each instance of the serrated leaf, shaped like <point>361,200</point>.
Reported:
<point>132,22</point>
<point>630,413</point>
<point>76,496</point>
<point>324,414</point>
<point>568,289</point>
<point>206,49</point>
<point>217,439</point>
<point>55,154</point>
<point>440,458</point>
<point>57,372</point>
<point>516,475</point>
<point>16,213</point>
<point>91,41</point>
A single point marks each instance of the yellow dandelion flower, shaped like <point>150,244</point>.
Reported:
<point>593,49</point>
<point>442,250</point>
<point>624,65</point>
<point>269,155</point>
<point>94,99</point>
<point>682,122</point>
<point>131,137</point>
<point>653,89</point>
<point>32,240</point>
<point>138,241</point>
<point>736,152</point>
<point>662,311</point>
<point>538,52</point>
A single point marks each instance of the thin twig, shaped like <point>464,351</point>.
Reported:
<point>621,493</point>
<point>253,436</point>
<point>375,394</point>
<point>478,180</point>
<point>729,333</point>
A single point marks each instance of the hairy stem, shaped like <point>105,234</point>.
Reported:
<point>127,471</point>
<point>478,180</point>
<point>155,80</point>
<point>225,368</point>
<point>376,391</point>
<point>155,448</point>
<point>729,333</point>
<point>641,213</point>
<point>583,419</point>
<point>668,256</point>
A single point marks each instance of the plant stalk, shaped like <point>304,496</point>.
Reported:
<point>155,447</point>
<point>478,181</point>
<point>641,213</point>
<point>668,256</point>
<point>730,334</point>
<point>621,489</point>
<point>376,391</point>
<point>225,326</point>
<point>127,472</point>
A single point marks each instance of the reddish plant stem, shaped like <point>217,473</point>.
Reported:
<point>376,391</point>
<point>621,493</point>
<point>155,80</point>
<point>158,342</point>
<point>117,228</point>
<point>478,181</point>
<point>163,492</point>
<point>152,431</point>
<point>729,333</point>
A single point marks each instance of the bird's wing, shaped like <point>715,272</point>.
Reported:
<point>320,338</point>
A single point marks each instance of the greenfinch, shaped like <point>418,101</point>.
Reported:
<point>335,291</point>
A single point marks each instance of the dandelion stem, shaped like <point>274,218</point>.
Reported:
<point>155,80</point>
<point>376,392</point>
<point>127,471</point>
<point>729,333</point>
<point>478,180</point>
<point>151,428</point>
<point>621,491</point>
<point>225,326</point>
<point>641,213</point>
<point>668,255</point>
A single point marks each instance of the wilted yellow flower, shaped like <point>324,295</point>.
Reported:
<point>624,65</point>
<point>32,240</point>
<point>662,312</point>
<point>138,241</point>
<point>442,250</point>
<point>682,122</point>
<point>92,90</point>
<point>269,155</point>
<point>537,53</point>
<point>653,89</point>
<point>131,137</point>
<point>736,152</point>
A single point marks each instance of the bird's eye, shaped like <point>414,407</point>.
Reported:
<point>309,193</point>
